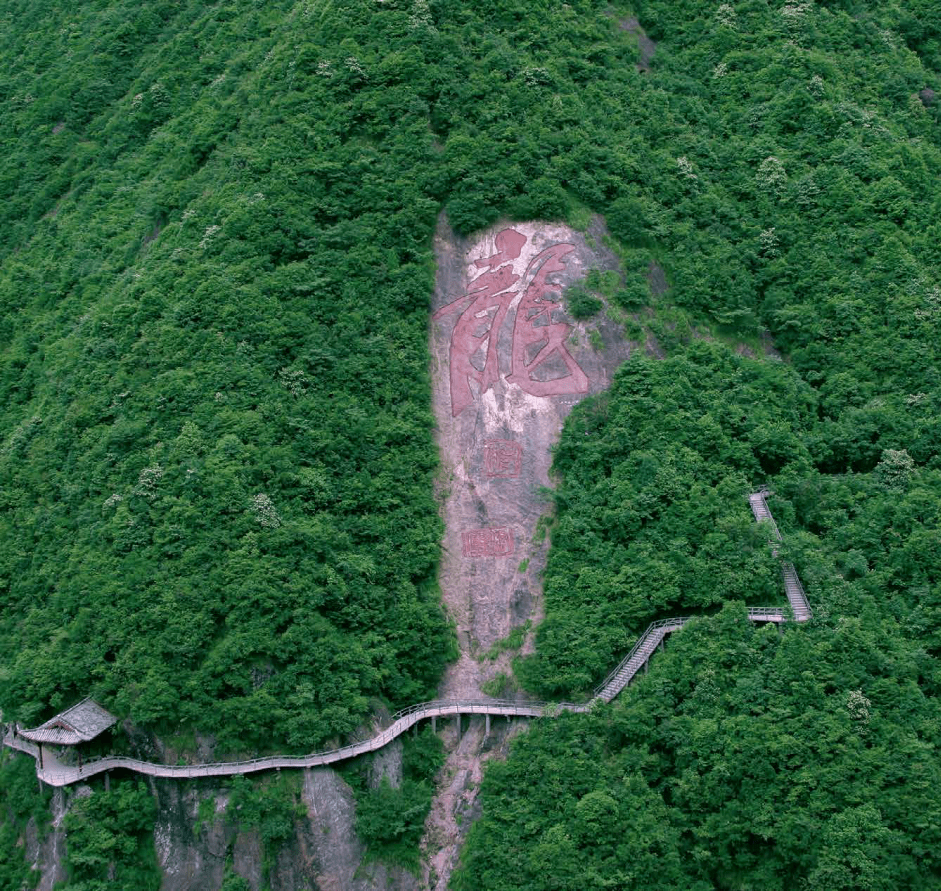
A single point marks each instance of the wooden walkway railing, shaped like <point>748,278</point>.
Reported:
<point>792,583</point>
<point>55,773</point>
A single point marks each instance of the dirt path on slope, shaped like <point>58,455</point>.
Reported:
<point>508,364</point>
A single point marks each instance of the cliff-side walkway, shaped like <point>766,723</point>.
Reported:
<point>52,771</point>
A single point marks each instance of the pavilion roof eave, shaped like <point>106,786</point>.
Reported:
<point>56,736</point>
<point>81,723</point>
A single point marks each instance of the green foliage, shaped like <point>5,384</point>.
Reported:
<point>499,686</point>
<point>213,370</point>
<point>391,819</point>
<point>581,303</point>
<point>205,813</point>
<point>271,806</point>
<point>20,802</point>
<point>604,282</point>
<point>217,458</point>
<point>267,804</point>
<point>234,882</point>
<point>111,841</point>
<point>894,469</point>
<point>740,761</point>
<point>513,641</point>
<point>652,518</point>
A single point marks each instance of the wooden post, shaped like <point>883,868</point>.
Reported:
<point>646,663</point>
<point>662,643</point>
<point>488,725</point>
<point>107,781</point>
<point>458,726</point>
<point>434,724</point>
<point>40,757</point>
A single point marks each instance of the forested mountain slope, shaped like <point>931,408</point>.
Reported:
<point>804,199</point>
<point>216,460</point>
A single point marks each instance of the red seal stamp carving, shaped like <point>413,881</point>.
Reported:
<point>488,542</point>
<point>503,459</point>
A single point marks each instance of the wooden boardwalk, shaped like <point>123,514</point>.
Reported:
<point>55,773</point>
<point>792,583</point>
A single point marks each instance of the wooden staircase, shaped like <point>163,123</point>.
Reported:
<point>792,583</point>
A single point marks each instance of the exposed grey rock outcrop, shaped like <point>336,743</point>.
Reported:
<point>196,844</point>
<point>47,854</point>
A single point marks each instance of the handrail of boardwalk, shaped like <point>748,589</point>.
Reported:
<point>58,774</point>
<point>55,773</point>
<point>796,595</point>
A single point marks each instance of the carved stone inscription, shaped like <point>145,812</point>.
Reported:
<point>539,362</point>
<point>488,542</point>
<point>503,459</point>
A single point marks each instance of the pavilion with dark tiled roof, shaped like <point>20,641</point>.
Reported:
<point>79,724</point>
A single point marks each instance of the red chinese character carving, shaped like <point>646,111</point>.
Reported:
<point>540,363</point>
<point>502,458</point>
<point>490,297</point>
<point>537,339</point>
<point>488,542</point>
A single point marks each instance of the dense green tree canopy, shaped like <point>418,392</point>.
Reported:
<point>216,464</point>
<point>216,456</point>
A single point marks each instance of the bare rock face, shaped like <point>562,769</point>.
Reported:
<point>645,45</point>
<point>657,279</point>
<point>192,853</point>
<point>247,858</point>
<point>47,855</point>
<point>508,364</point>
<point>456,805</point>
<point>332,846</point>
<point>196,844</point>
<point>386,764</point>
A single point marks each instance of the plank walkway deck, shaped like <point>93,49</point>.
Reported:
<point>55,773</point>
<point>792,583</point>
